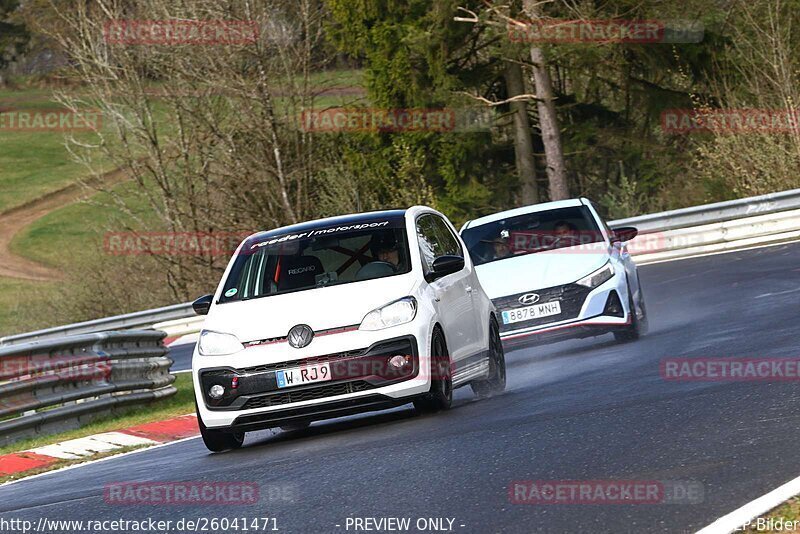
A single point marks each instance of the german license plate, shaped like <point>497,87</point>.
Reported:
<point>297,376</point>
<point>532,312</point>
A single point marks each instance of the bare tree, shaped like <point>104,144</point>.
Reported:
<point>506,17</point>
<point>757,76</point>
<point>548,118</point>
<point>523,140</point>
<point>209,133</point>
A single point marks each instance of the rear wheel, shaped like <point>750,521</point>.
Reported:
<point>219,440</point>
<point>440,396</point>
<point>496,383</point>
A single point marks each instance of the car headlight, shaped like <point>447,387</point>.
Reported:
<point>398,312</point>
<point>596,278</point>
<point>217,344</point>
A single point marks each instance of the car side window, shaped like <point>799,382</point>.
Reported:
<point>435,239</point>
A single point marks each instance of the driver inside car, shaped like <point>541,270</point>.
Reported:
<point>502,249</point>
<point>384,247</point>
<point>387,257</point>
<point>502,245</point>
<point>562,228</point>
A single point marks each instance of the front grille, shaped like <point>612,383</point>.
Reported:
<point>313,393</point>
<point>572,297</point>
<point>287,364</point>
<point>281,339</point>
<point>351,371</point>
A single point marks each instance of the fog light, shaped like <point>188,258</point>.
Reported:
<point>398,362</point>
<point>216,392</point>
<point>613,305</point>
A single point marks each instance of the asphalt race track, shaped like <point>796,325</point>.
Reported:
<point>181,356</point>
<point>582,410</point>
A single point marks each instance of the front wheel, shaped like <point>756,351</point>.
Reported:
<point>219,440</point>
<point>496,383</point>
<point>440,396</point>
<point>638,326</point>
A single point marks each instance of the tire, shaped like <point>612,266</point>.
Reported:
<point>219,440</point>
<point>496,383</point>
<point>440,396</point>
<point>644,324</point>
<point>638,327</point>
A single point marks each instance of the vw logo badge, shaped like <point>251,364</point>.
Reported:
<point>529,298</point>
<point>300,336</point>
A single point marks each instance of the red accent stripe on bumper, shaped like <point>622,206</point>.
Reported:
<point>562,327</point>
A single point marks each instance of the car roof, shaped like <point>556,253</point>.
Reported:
<point>354,218</point>
<point>533,208</point>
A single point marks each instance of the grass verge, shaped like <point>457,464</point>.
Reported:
<point>18,299</point>
<point>74,227</point>
<point>33,164</point>
<point>784,518</point>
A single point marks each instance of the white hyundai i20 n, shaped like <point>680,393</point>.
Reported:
<point>556,271</point>
<point>343,315</point>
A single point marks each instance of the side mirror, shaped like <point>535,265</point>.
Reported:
<point>202,305</point>
<point>625,233</point>
<point>444,265</point>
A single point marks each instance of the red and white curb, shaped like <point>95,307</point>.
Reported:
<point>148,434</point>
<point>182,340</point>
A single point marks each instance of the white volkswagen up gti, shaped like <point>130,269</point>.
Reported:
<point>343,315</point>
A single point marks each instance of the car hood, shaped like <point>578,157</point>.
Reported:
<point>321,309</point>
<point>540,270</point>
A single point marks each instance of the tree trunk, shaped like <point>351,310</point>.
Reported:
<point>523,140</point>
<point>548,121</point>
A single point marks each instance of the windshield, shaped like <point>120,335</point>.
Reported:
<point>318,257</point>
<point>530,233</point>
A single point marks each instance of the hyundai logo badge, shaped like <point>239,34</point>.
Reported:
<point>529,298</point>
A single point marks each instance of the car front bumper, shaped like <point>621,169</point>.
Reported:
<point>585,312</point>
<point>360,378</point>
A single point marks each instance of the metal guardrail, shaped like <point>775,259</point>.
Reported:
<point>56,385</point>
<point>142,319</point>
<point>714,213</point>
<point>714,228</point>
<point>666,235</point>
<point>725,236</point>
